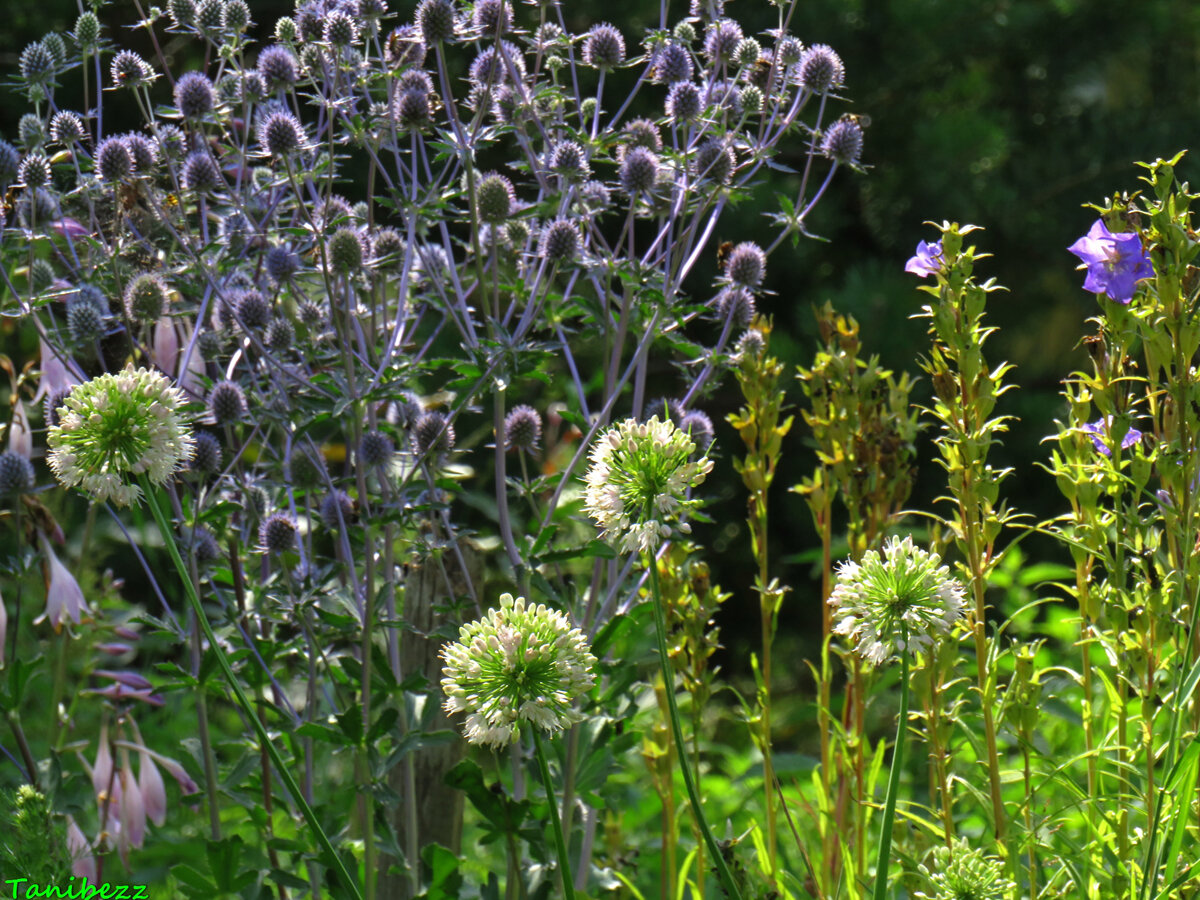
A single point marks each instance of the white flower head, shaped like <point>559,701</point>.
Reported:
<point>519,663</point>
<point>963,872</point>
<point>638,480</point>
<point>903,589</point>
<point>117,426</point>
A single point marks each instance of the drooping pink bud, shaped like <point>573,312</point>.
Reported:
<point>20,435</point>
<point>133,810</point>
<point>129,679</point>
<point>83,863</point>
<point>3,629</point>
<point>102,772</point>
<point>63,594</point>
<point>154,792</point>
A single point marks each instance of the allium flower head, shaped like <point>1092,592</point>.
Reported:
<point>902,588</point>
<point>1100,431</point>
<point>603,48</point>
<point>518,664</point>
<point>964,874</point>
<point>638,480</point>
<point>117,426</point>
<point>1114,262</point>
<point>927,261</point>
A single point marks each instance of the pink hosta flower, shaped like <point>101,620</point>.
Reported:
<point>56,376</point>
<point>20,435</point>
<point>3,629</point>
<point>83,863</point>
<point>154,792</point>
<point>133,809</point>
<point>102,771</point>
<point>63,594</point>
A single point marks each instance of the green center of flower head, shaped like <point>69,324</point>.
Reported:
<point>116,426</point>
<point>638,482</point>
<point>518,664</point>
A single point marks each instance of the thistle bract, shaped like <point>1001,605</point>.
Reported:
<point>117,426</point>
<point>518,664</point>
<point>901,589</point>
<point>638,480</point>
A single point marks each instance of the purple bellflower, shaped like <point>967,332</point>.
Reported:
<point>1115,262</point>
<point>1099,431</point>
<point>928,260</point>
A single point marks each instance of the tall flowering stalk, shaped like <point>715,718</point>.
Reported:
<point>761,425</point>
<point>637,488</point>
<point>966,391</point>
<point>864,429</point>
<point>896,602</point>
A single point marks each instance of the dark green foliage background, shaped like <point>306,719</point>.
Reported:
<point>1009,115</point>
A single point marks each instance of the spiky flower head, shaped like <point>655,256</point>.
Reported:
<point>672,63</point>
<point>820,69</point>
<point>277,533</point>
<point>960,873</point>
<point>16,473</point>
<point>146,297</point>
<point>721,40</point>
<point>901,590</point>
<point>200,172</point>
<point>87,30</point>
<point>496,198</point>
<point>747,264</point>
<point>143,151</point>
<point>194,95</point>
<point>129,70</point>
<point>843,142</point>
<point>520,663</point>
<point>37,63</point>
<point>639,171</point>
<point>117,426</point>
<point>67,128</point>
<point>560,241</point>
<point>683,102</point>
<point>280,134</point>
<point>277,64</point>
<point>638,480</point>
<point>603,48</point>
<point>34,171</point>
<point>522,429</point>
<point>436,19</point>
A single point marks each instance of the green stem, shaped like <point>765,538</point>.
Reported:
<point>893,788</point>
<point>285,775</point>
<point>660,630</point>
<point>560,841</point>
